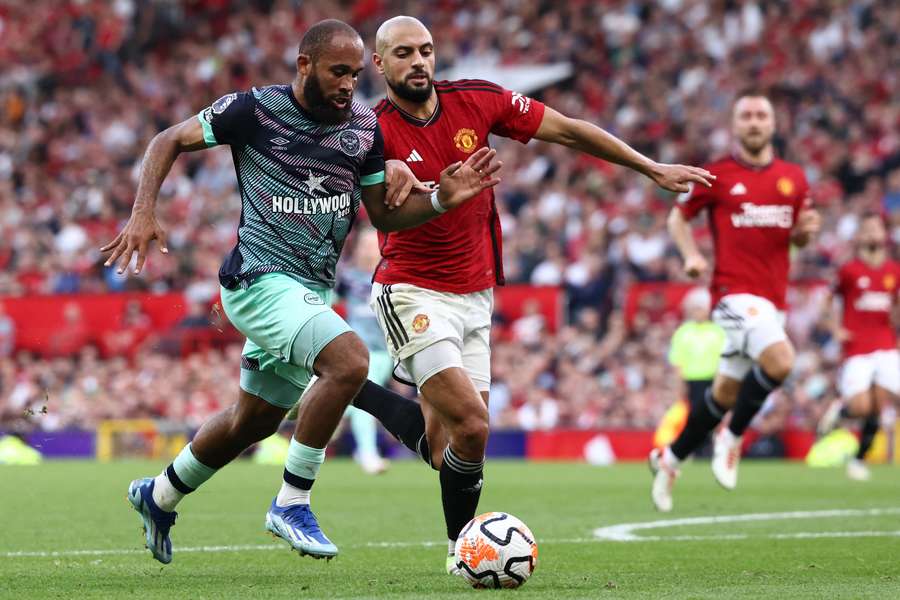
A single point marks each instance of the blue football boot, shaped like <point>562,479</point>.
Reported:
<point>157,522</point>
<point>297,526</point>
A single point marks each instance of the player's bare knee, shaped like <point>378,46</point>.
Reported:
<point>471,434</point>
<point>725,390</point>
<point>355,368</point>
<point>777,361</point>
<point>345,360</point>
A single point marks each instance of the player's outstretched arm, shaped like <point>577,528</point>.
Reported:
<point>680,231</point>
<point>400,181</point>
<point>142,227</point>
<point>459,182</point>
<point>586,137</point>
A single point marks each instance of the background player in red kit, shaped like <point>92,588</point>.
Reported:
<point>433,290</point>
<point>870,376</point>
<point>758,206</point>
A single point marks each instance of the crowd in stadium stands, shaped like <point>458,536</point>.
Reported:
<point>84,86</point>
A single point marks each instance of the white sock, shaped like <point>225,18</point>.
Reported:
<point>451,547</point>
<point>289,495</point>
<point>670,458</point>
<point>164,493</point>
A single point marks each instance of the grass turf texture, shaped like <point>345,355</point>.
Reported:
<point>68,506</point>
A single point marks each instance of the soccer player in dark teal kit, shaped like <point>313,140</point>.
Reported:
<point>305,156</point>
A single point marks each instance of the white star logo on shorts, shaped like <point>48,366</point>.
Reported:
<point>314,183</point>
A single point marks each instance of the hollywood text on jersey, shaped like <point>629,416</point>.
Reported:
<point>298,205</point>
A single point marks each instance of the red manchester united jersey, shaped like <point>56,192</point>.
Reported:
<point>869,294</point>
<point>751,213</point>
<point>460,251</point>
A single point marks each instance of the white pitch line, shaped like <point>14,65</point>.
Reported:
<point>189,549</point>
<point>611,533</point>
<point>624,532</point>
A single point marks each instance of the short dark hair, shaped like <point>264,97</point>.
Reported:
<point>317,37</point>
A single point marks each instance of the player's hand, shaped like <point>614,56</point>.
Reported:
<point>400,182</point>
<point>463,181</point>
<point>695,266</point>
<point>809,221</point>
<point>141,229</point>
<point>677,178</point>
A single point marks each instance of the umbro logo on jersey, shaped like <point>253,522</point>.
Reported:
<point>739,189</point>
<point>414,156</point>
<point>279,141</point>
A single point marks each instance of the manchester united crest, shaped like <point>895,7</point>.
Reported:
<point>466,140</point>
<point>420,323</point>
<point>785,186</point>
<point>889,282</point>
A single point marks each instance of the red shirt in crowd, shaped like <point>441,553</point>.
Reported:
<point>869,294</point>
<point>460,251</point>
<point>752,211</point>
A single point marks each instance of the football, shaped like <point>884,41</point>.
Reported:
<point>496,550</point>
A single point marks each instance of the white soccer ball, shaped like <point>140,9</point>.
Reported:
<point>496,550</point>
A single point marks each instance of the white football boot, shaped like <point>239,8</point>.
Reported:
<point>726,456</point>
<point>664,467</point>
<point>857,470</point>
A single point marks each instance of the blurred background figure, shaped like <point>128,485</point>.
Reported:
<point>89,84</point>
<point>694,352</point>
<point>7,333</point>
<point>870,375</point>
<point>354,287</point>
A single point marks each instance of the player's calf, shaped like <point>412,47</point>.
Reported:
<point>774,366</point>
<point>464,416</point>
<point>341,367</point>
<point>402,417</point>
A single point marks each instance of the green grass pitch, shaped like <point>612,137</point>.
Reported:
<point>78,511</point>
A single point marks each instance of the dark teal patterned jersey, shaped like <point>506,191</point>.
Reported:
<point>299,181</point>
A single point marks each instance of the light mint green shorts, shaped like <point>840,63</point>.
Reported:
<point>381,366</point>
<point>287,324</point>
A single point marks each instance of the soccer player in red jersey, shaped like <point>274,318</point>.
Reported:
<point>870,375</point>
<point>757,207</point>
<point>433,290</point>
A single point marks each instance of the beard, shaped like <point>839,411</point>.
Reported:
<point>410,93</point>
<point>755,144</point>
<point>320,106</point>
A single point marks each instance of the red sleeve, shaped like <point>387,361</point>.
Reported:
<point>692,202</point>
<point>803,199</point>
<point>514,115</point>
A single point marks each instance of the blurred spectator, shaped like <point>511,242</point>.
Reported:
<point>134,327</point>
<point>7,333</point>
<point>73,334</point>
<point>540,411</point>
<point>197,317</point>
<point>85,84</point>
